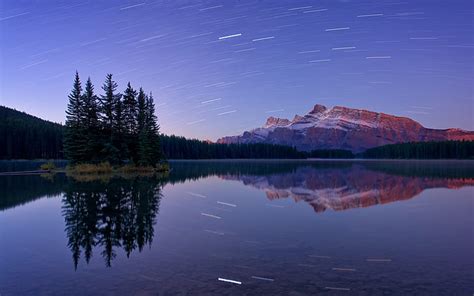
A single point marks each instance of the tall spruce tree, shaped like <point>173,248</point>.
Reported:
<point>119,131</point>
<point>130,109</point>
<point>148,141</point>
<point>74,139</point>
<point>107,108</point>
<point>130,121</point>
<point>91,122</point>
<point>141,157</point>
<point>153,129</point>
<point>141,110</point>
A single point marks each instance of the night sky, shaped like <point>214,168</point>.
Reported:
<point>217,68</point>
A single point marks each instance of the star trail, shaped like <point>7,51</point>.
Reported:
<point>217,68</point>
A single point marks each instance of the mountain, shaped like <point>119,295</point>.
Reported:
<point>344,128</point>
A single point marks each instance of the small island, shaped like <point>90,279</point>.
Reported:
<point>113,132</point>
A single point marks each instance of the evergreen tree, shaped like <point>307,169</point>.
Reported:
<point>141,110</point>
<point>119,131</point>
<point>91,122</point>
<point>74,139</point>
<point>141,153</point>
<point>130,121</point>
<point>153,129</point>
<point>130,109</point>
<point>107,116</point>
<point>148,136</point>
<point>107,102</point>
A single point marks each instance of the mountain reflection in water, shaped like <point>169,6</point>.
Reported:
<point>344,188</point>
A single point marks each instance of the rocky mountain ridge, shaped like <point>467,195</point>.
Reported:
<point>344,128</point>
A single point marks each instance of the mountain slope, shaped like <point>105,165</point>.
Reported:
<point>344,128</point>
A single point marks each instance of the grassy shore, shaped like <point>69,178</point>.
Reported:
<point>105,168</point>
<point>105,171</point>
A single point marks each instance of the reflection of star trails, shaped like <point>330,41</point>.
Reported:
<point>370,15</point>
<point>226,204</point>
<point>343,269</point>
<point>211,216</point>
<point>263,38</point>
<point>337,29</point>
<point>275,206</point>
<point>214,232</point>
<point>379,260</point>
<point>339,289</point>
<point>196,194</point>
<point>262,278</point>
<point>229,281</point>
<point>379,57</point>
<point>318,256</point>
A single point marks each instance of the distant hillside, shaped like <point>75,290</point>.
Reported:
<point>423,150</point>
<point>23,136</point>
<point>174,147</point>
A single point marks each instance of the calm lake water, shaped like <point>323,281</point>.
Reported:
<point>277,228</point>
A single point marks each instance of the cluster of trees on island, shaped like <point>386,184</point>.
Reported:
<point>112,127</point>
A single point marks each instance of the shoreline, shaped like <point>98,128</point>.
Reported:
<point>317,160</point>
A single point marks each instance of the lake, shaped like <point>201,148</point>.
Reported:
<point>243,228</point>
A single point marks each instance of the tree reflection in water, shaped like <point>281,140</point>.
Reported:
<point>110,214</point>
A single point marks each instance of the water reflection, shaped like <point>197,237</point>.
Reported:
<point>118,213</point>
<point>345,188</point>
<point>108,215</point>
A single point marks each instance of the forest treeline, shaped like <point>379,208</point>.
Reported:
<point>24,136</point>
<point>423,150</point>
<point>175,147</point>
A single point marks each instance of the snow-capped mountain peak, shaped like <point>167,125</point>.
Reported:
<point>343,128</point>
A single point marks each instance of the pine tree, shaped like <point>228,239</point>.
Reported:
<point>107,107</point>
<point>119,129</point>
<point>91,122</point>
<point>130,121</point>
<point>74,140</point>
<point>141,154</point>
<point>130,109</point>
<point>152,128</point>
<point>148,140</point>
<point>141,110</point>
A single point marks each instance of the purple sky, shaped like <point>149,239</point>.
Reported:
<point>217,68</point>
